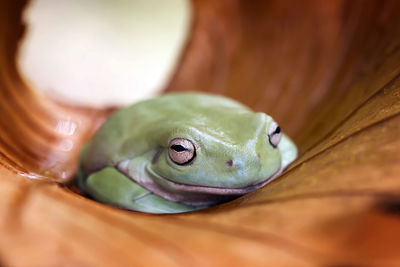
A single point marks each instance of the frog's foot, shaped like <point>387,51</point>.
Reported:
<point>112,187</point>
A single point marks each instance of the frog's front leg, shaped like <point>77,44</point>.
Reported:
<point>112,187</point>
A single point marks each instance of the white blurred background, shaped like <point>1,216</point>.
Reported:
<point>101,52</point>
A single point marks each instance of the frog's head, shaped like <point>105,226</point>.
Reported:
<point>205,161</point>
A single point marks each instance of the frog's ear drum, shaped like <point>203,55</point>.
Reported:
<point>274,134</point>
<point>181,151</point>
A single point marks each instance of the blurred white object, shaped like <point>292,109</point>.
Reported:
<point>101,52</point>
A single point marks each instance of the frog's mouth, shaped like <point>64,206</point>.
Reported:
<point>193,195</point>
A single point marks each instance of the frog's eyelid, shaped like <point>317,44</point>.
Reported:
<point>207,135</point>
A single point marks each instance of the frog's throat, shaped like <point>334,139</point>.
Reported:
<point>194,195</point>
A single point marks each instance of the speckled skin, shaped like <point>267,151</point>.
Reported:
<point>127,162</point>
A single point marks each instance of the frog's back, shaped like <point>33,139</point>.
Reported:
<point>181,105</point>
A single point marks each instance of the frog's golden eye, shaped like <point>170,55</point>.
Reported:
<point>274,134</point>
<point>181,151</point>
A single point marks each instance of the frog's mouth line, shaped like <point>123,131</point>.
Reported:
<point>212,190</point>
<point>189,194</point>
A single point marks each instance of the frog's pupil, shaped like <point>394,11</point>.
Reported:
<point>277,130</point>
<point>178,148</point>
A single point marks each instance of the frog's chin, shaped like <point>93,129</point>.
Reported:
<point>193,195</point>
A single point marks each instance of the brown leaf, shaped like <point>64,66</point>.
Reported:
<point>328,71</point>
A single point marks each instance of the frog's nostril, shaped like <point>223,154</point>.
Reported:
<point>229,163</point>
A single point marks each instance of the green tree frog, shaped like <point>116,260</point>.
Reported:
<point>182,152</point>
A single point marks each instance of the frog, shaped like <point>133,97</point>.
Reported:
<point>182,152</point>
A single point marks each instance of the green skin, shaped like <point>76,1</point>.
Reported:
<point>127,164</point>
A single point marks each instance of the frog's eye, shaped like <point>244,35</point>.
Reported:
<point>181,151</point>
<point>274,134</point>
